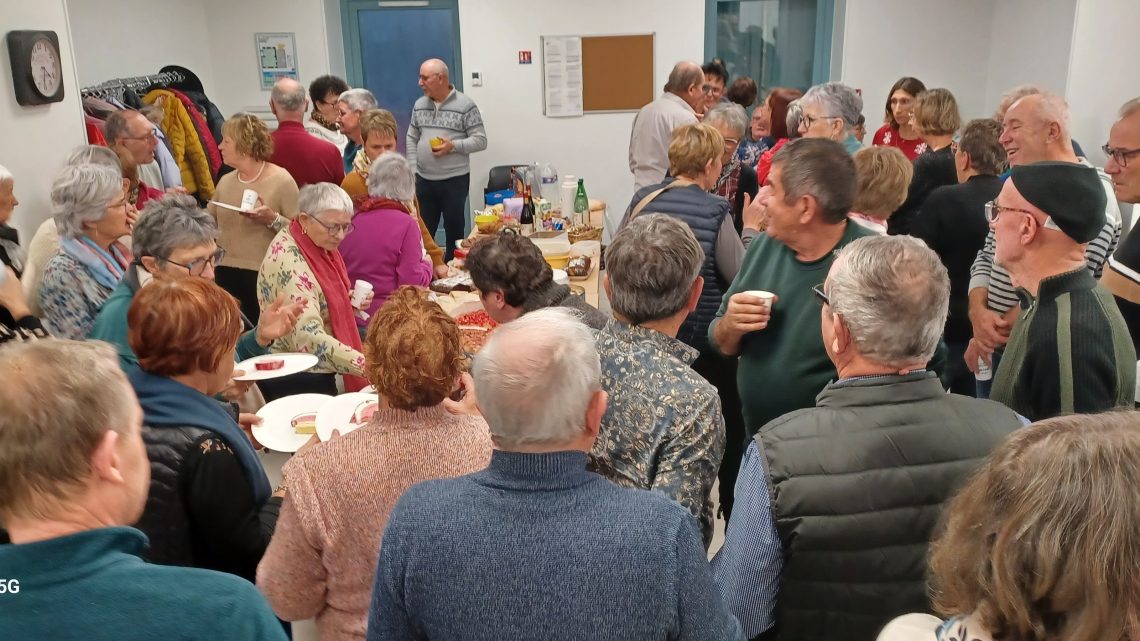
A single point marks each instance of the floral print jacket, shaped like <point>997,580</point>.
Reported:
<point>284,271</point>
<point>663,429</point>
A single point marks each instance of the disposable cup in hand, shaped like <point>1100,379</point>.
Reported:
<point>766,298</point>
<point>248,199</point>
<point>360,291</point>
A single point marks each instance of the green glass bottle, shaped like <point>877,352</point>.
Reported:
<point>581,205</point>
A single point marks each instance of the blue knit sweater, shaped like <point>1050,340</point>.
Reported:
<point>536,547</point>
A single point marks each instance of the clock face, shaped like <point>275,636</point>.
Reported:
<point>46,70</point>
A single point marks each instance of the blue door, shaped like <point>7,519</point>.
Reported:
<point>387,43</point>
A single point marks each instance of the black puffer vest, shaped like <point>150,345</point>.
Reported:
<point>857,486</point>
<point>703,213</point>
<point>165,520</point>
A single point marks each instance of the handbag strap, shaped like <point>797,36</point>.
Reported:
<point>679,182</point>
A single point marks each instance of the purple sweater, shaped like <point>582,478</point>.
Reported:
<point>385,249</point>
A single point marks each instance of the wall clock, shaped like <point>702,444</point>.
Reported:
<point>37,68</point>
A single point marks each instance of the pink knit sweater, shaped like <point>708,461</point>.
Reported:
<point>323,555</point>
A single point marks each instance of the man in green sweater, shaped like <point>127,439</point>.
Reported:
<point>783,365</point>
<point>1070,351</point>
<point>73,476</point>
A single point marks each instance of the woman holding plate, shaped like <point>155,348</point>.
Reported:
<point>210,504</point>
<point>340,493</point>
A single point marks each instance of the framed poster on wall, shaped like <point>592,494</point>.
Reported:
<point>276,57</point>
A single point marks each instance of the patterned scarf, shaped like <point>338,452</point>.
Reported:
<point>729,179</point>
<point>319,118</point>
<point>361,164</point>
<point>107,267</point>
<point>328,267</point>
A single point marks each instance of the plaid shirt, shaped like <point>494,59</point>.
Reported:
<point>729,181</point>
<point>663,429</point>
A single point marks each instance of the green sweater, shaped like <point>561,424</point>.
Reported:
<point>1069,353</point>
<point>111,325</point>
<point>94,586</point>
<point>784,366</point>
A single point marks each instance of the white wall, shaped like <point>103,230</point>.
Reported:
<point>1103,71</point>
<point>1031,42</point>
<point>124,38</point>
<point>35,139</point>
<point>594,147</point>
<point>944,44</point>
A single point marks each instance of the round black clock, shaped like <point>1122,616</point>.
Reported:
<point>37,68</point>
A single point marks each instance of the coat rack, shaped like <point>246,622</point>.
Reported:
<point>138,84</point>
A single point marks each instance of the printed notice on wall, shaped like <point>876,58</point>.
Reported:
<point>562,76</point>
<point>276,57</point>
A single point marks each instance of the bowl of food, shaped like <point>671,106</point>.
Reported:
<point>488,223</point>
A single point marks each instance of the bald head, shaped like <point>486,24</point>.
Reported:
<point>435,66</point>
<point>289,100</point>
<point>685,74</point>
<point>434,80</point>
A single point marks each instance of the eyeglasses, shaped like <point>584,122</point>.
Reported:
<point>1121,156</point>
<point>731,142</point>
<point>819,293</point>
<point>196,267</point>
<point>707,89</point>
<point>149,136</point>
<point>993,210</point>
<point>808,121</point>
<point>335,229</point>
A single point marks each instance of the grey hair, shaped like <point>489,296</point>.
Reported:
<point>820,168</point>
<point>1130,107</point>
<point>95,155</point>
<point>80,195</point>
<point>289,99</point>
<point>731,114</point>
<point>317,198</point>
<point>440,67</point>
<point>685,74</point>
<point>534,378</point>
<point>170,223</point>
<point>792,120</point>
<point>117,125</point>
<point>1053,108</point>
<point>358,99</point>
<point>1012,96</point>
<point>893,294</point>
<point>6,175</point>
<point>390,176</point>
<point>651,266</point>
<point>838,100</point>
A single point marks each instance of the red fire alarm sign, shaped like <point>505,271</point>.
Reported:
<point>524,57</point>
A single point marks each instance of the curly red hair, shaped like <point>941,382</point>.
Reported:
<point>413,351</point>
<point>183,325</point>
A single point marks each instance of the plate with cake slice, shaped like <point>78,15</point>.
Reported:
<point>260,368</point>
<point>288,422</point>
<point>346,413</point>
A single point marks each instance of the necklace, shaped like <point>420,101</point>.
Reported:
<point>254,179</point>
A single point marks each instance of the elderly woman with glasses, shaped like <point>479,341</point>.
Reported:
<point>303,264</point>
<point>176,239</point>
<point>736,178</point>
<point>386,249</point>
<point>90,210</point>
<point>831,110</point>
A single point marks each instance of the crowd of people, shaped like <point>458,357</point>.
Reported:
<point>910,366</point>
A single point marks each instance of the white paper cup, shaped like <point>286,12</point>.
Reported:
<point>248,199</point>
<point>359,292</point>
<point>765,297</point>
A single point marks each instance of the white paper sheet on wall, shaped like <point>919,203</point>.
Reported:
<point>562,76</point>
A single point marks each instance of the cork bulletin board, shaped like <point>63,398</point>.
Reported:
<point>617,72</point>
<point>596,74</point>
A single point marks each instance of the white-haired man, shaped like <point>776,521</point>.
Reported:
<point>683,100</point>
<point>446,128</point>
<point>72,481</point>
<point>308,159</point>
<point>536,545</point>
<point>836,504</point>
<point>1123,275</point>
<point>1035,129</point>
<point>663,429</point>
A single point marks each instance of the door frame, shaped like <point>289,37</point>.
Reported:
<point>350,23</point>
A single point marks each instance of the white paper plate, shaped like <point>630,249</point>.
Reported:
<point>294,364</point>
<point>228,206</point>
<point>338,413</point>
<point>276,430</point>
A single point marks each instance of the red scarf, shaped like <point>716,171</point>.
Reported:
<point>374,203</point>
<point>328,267</point>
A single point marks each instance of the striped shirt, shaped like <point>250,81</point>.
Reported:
<point>1002,295</point>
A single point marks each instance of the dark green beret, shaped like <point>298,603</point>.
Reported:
<point>1070,193</point>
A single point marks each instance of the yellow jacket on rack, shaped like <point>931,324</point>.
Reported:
<point>187,148</point>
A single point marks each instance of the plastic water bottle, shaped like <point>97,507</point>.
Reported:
<point>549,190</point>
<point>984,371</point>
